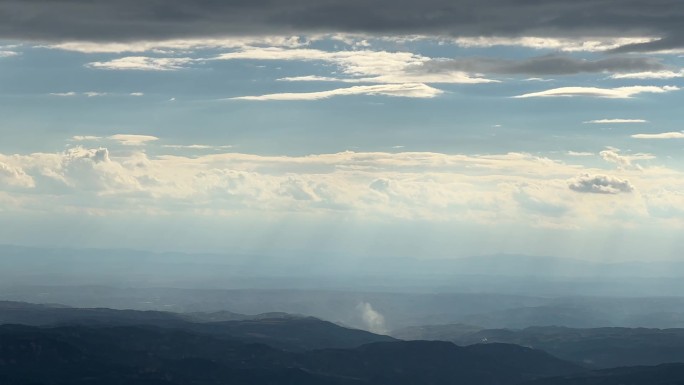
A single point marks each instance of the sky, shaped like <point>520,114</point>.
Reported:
<point>344,128</point>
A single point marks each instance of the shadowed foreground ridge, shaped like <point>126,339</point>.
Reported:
<point>666,374</point>
<point>599,348</point>
<point>59,345</point>
<point>147,355</point>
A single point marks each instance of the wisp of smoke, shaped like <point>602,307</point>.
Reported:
<point>374,321</point>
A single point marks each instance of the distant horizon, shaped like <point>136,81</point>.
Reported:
<point>246,253</point>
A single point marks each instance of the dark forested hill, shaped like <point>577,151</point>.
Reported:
<point>145,355</point>
<point>597,347</point>
<point>431,362</point>
<point>280,330</point>
<point>666,374</point>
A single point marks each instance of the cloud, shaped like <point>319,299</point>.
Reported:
<point>535,198</point>
<point>500,189</point>
<point>195,146</point>
<point>133,140</point>
<point>92,94</point>
<point>178,45</point>
<point>649,75</point>
<point>612,155</point>
<point>666,204</point>
<point>595,92</point>
<point>314,78</point>
<point>64,94</point>
<point>615,121</point>
<point>4,53</point>
<point>129,20</point>
<point>85,171</point>
<point>81,138</point>
<point>663,135</point>
<point>414,90</point>
<point>15,177</point>
<point>381,185</point>
<point>567,44</point>
<point>142,63</point>
<point>671,42</point>
<point>98,155</point>
<point>600,184</point>
<point>298,190</point>
<point>543,65</point>
<point>372,319</point>
<point>363,66</point>
<point>580,153</point>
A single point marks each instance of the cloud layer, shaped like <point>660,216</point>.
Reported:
<point>544,65</point>
<point>513,188</point>
<point>133,20</point>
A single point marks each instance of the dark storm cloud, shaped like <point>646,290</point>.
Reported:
<point>543,65</point>
<point>162,19</point>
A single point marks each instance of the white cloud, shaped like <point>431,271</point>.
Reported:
<point>535,198</point>
<point>580,153</point>
<point>363,66</point>
<point>649,75</point>
<point>91,170</point>
<point>14,176</point>
<point>97,155</point>
<point>663,135</point>
<point>81,138</point>
<point>612,155</point>
<point>381,185</point>
<point>64,94</point>
<point>143,63</point>
<point>615,121</point>
<point>611,93</point>
<point>589,44</point>
<point>538,80</point>
<point>511,188</point>
<point>92,94</point>
<point>132,140</point>
<point>413,90</point>
<point>4,53</point>
<point>314,78</point>
<point>299,190</point>
<point>196,146</point>
<point>666,204</point>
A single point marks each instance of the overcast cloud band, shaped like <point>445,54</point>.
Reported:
<point>104,20</point>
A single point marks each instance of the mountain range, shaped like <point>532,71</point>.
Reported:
<point>59,345</point>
